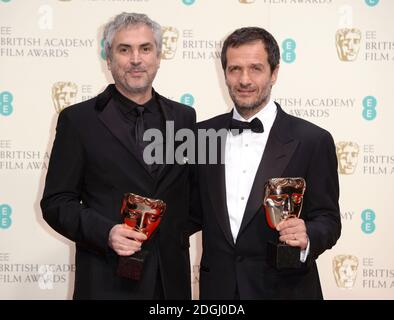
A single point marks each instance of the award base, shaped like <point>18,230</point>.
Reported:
<point>283,256</point>
<point>131,267</point>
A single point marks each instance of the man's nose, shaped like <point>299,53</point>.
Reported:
<point>245,78</point>
<point>135,57</point>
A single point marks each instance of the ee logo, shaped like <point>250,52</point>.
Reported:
<point>369,108</point>
<point>102,53</point>
<point>188,2</point>
<point>6,107</point>
<point>368,217</point>
<point>187,99</point>
<point>288,54</point>
<point>5,216</point>
<point>371,3</point>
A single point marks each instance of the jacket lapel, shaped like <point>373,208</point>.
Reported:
<point>277,154</point>
<point>170,136</point>
<point>111,118</point>
<point>217,184</point>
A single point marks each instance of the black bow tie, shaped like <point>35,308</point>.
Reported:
<point>255,125</point>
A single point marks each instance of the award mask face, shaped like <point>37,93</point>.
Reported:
<point>283,199</point>
<point>345,270</point>
<point>64,94</point>
<point>142,214</point>
<point>348,43</point>
<point>170,42</point>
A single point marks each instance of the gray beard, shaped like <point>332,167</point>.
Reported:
<point>138,89</point>
<point>253,108</point>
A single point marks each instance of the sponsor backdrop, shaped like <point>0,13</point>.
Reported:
<point>337,68</point>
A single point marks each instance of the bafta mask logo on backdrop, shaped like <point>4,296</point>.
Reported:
<point>63,94</point>
<point>347,154</point>
<point>348,41</point>
<point>345,270</point>
<point>170,42</point>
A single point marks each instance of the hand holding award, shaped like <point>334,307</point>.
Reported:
<point>283,200</point>
<point>143,215</point>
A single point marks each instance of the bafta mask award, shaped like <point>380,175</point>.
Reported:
<point>283,200</point>
<point>143,215</point>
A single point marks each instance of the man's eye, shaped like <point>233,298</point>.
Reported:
<point>233,69</point>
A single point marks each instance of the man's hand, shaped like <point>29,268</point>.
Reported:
<point>124,240</point>
<point>293,232</point>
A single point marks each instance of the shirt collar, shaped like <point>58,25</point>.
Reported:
<point>126,105</point>
<point>268,113</point>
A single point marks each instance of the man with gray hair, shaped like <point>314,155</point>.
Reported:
<point>97,157</point>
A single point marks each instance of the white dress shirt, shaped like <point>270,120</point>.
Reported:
<point>243,153</point>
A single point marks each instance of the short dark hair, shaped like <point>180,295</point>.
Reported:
<point>249,34</point>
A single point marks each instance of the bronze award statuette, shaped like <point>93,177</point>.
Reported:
<point>143,215</point>
<point>283,200</point>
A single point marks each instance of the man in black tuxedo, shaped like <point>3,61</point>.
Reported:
<point>97,157</point>
<point>271,144</point>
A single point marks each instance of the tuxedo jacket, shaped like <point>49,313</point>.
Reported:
<point>295,148</point>
<point>94,161</point>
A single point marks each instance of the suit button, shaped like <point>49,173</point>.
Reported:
<point>240,258</point>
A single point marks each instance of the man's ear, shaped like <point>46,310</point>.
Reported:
<point>274,75</point>
<point>108,63</point>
